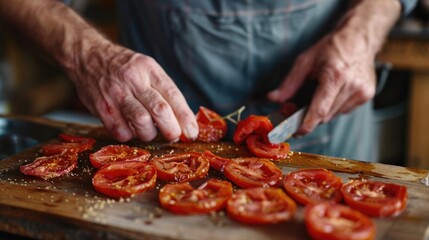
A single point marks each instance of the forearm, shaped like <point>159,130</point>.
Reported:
<point>51,28</point>
<point>367,24</point>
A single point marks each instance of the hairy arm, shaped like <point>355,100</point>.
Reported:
<point>128,91</point>
<point>342,62</point>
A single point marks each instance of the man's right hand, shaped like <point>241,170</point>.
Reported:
<point>132,95</point>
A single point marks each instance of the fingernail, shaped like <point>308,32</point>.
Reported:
<point>123,134</point>
<point>175,140</point>
<point>191,132</point>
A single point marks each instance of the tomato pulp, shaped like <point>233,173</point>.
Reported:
<point>117,153</point>
<point>376,199</point>
<point>327,220</point>
<point>181,167</point>
<point>260,206</point>
<point>313,185</point>
<point>123,179</point>
<point>50,166</point>
<point>182,198</point>
<point>212,126</point>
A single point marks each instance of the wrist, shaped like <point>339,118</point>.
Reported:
<point>367,25</point>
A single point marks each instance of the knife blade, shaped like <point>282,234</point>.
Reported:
<point>285,126</point>
<point>288,119</point>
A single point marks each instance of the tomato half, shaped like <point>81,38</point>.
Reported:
<point>123,179</point>
<point>212,126</point>
<point>376,199</point>
<point>260,148</point>
<point>260,206</point>
<point>70,144</point>
<point>50,166</point>
<point>260,125</point>
<point>327,220</point>
<point>313,185</point>
<point>181,167</point>
<point>117,153</point>
<point>182,198</point>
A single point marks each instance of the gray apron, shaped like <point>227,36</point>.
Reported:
<point>224,54</point>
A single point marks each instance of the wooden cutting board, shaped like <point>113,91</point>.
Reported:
<point>69,208</point>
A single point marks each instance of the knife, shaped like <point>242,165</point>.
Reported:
<point>285,126</point>
<point>286,123</point>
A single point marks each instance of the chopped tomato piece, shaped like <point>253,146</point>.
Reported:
<point>70,144</point>
<point>247,172</point>
<point>327,220</point>
<point>375,199</point>
<point>260,148</point>
<point>124,179</point>
<point>182,198</point>
<point>253,124</point>
<point>181,167</point>
<point>313,185</point>
<point>212,126</point>
<point>118,153</point>
<point>50,166</point>
<point>260,206</point>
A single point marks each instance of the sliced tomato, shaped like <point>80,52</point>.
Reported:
<point>313,185</point>
<point>260,148</point>
<point>216,162</point>
<point>212,126</point>
<point>124,179</point>
<point>375,199</point>
<point>50,166</point>
<point>327,220</point>
<point>181,167</point>
<point>70,144</point>
<point>260,206</point>
<point>182,198</point>
<point>253,172</point>
<point>253,124</point>
<point>117,153</point>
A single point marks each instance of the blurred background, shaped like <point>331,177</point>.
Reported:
<point>31,86</point>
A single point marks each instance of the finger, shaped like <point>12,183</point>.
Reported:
<point>186,118</point>
<point>139,119</point>
<point>113,121</point>
<point>294,81</point>
<point>358,98</point>
<point>330,83</point>
<point>161,113</point>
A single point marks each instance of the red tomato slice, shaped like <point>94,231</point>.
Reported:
<point>182,198</point>
<point>212,126</point>
<point>313,185</point>
<point>258,147</point>
<point>70,144</point>
<point>216,162</point>
<point>247,172</point>
<point>375,198</point>
<point>260,206</point>
<point>253,172</point>
<point>50,166</point>
<point>181,167</point>
<point>117,153</point>
<point>327,220</point>
<point>124,179</point>
<point>260,125</point>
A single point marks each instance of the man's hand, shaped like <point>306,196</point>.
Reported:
<point>129,92</point>
<point>342,63</point>
<point>132,95</point>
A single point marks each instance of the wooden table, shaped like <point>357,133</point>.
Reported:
<point>412,53</point>
<point>69,208</point>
